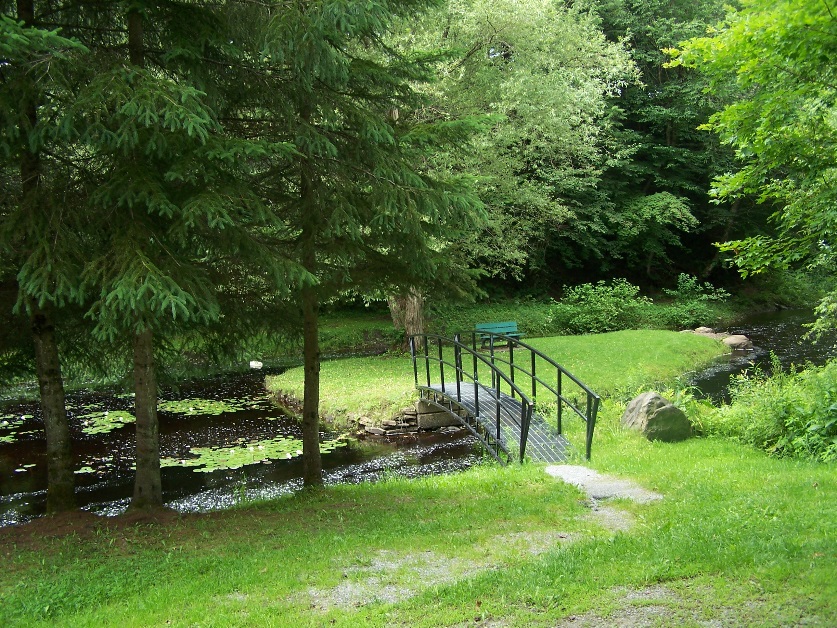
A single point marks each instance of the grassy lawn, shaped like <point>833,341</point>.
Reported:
<point>739,538</point>
<point>614,364</point>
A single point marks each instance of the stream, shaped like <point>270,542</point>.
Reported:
<point>781,333</point>
<point>222,442</point>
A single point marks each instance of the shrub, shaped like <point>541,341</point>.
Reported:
<point>603,306</point>
<point>787,413</point>
<point>690,290</point>
<point>694,303</point>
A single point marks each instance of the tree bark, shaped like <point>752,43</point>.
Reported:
<point>396,304</point>
<point>312,465</point>
<point>407,311</point>
<point>136,53</point>
<point>148,492</point>
<point>414,312</point>
<point>60,475</point>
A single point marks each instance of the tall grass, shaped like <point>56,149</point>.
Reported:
<point>786,413</point>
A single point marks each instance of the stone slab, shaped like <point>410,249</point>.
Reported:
<point>432,420</point>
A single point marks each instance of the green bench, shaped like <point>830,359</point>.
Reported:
<point>507,328</point>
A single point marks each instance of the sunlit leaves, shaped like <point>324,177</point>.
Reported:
<point>783,56</point>
<point>544,73</point>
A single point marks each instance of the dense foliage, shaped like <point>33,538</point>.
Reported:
<point>786,413</point>
<point>782,57</point>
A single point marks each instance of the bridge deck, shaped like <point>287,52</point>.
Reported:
<point>544,443</point>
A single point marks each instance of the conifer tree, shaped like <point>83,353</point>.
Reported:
<point>167,186</point>
<point>360,212</point>
<point>32,237</point>
<point>161,219</point>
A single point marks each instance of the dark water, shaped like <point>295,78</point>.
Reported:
<point>109,457</point>
<point>781,333</point>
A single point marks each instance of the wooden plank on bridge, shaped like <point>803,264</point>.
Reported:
<point>544,443</point>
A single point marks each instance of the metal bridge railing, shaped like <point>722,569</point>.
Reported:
<point>470,388</point>
<point>536,366</point>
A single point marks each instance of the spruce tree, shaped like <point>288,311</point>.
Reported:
<point>360,211</point>
<point>33,240</point>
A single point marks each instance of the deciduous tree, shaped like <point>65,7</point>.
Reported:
<point>783,57</point>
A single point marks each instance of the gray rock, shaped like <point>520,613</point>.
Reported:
<point>738,343</point>
<point>433,420</point>
<point>657,418</point>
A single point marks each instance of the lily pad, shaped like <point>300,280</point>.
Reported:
<point>208,459</point>
<point>11,421</point>
<point>104,422</point>
<point>194,407</point>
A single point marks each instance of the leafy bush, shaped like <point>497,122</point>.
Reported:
<point>694,304</point>
<point>690,290</point>
<point>787,413</point>
<point>602,306</point>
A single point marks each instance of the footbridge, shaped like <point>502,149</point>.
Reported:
<point>511,396</point>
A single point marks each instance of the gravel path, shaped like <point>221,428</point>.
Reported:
<point>598,486</point>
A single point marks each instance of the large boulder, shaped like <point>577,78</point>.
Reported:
<point>738,342</point>
<point>657,418</point>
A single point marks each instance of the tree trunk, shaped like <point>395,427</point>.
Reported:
<point>396,303</point>
<point>60,476</point>
<point>136,53</point>
<point>148,492</point>
<point>413,312</point>
<point>312,465</point>
<point>407,311</point>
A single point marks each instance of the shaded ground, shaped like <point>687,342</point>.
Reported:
<point>80,524</point>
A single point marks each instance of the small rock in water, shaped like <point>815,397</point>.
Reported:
<point>255,364</point>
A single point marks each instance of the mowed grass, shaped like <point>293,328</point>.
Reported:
<point>739,540</point>
<point>610,363</point>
